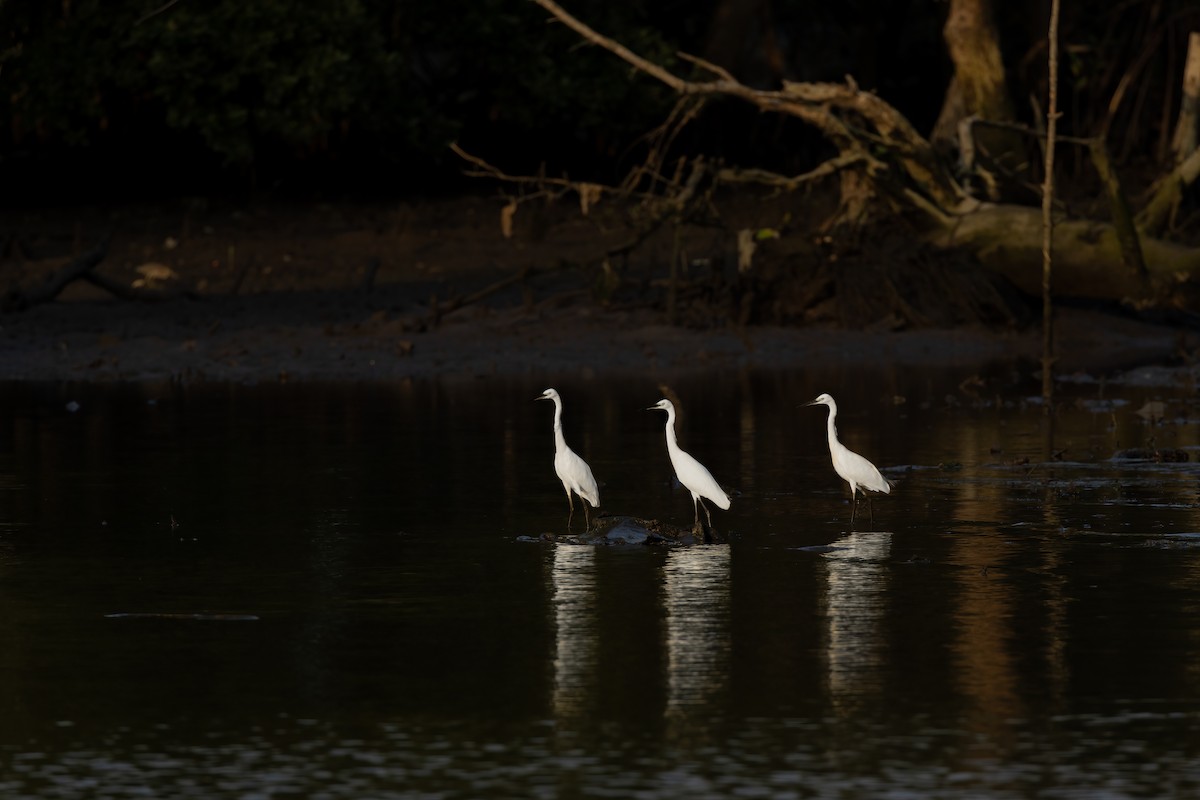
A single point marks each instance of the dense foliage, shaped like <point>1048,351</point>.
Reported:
<point>290,92</point>
<point>261,88</point>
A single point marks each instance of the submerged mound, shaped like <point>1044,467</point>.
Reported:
<point>614,529</point>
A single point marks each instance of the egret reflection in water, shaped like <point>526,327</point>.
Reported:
<point>696,587</point>
<point>573,587</point>
<point>1022,631</point>
<point>855,602</point>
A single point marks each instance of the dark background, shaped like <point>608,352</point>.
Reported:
<point>125,100</point>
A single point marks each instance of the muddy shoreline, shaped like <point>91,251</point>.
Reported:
<point>349,336</point>
<point>343,293</point>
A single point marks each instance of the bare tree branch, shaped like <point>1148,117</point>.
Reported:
<point>155,12</point>
<point>648,67</point>
<point>715,69</point>
<point>487,170</point>
<point>817,104</point>
<point>1047,218</point>
<point>789,183</point>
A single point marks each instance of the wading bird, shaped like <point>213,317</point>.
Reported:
<point>853,468</point>
<point>573,471</point>
<point>690,472</point>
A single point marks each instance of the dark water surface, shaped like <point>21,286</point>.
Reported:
<point>344,611</point>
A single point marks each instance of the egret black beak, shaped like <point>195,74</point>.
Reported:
<point>541,397</point>
<point>811,403</point>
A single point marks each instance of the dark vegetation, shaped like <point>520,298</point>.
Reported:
<point>124,100</point>
<point>361,95</point>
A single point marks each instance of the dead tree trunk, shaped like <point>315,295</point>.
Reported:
<point>1168,191</point>
<point>1183,144</point>
<point>978,88</point>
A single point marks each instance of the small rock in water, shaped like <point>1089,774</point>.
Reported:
<point>627,531</point>
<point>623,530</point>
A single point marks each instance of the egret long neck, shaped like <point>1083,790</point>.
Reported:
<point>560,443</point>
<point>832,428</point>
<point>672,442</point>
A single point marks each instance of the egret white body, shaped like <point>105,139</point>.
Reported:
<point>853,468</point>
<point>573,471</point>
<point>690,472</point>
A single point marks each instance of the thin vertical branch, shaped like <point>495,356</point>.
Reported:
<point>673,283</point>
<point>1047,218</point>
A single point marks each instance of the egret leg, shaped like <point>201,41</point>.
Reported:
<point>696,508</point>
<point>708,514</point>
<point>571,513</point>
<point>853,503</point>
<point>587,524</point>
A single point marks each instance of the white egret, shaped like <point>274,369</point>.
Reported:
<point>690,472</point>
<point>573,471</point>
<point>853,468</point>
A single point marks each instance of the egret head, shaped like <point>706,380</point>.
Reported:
<point>662,405</point>
<point>549,394</point>
<point>822,400</point>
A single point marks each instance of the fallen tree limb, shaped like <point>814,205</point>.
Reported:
<point>84,268</point>
<point>18,299</point>
<point>821,105</point>
<point>1087,255</point>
